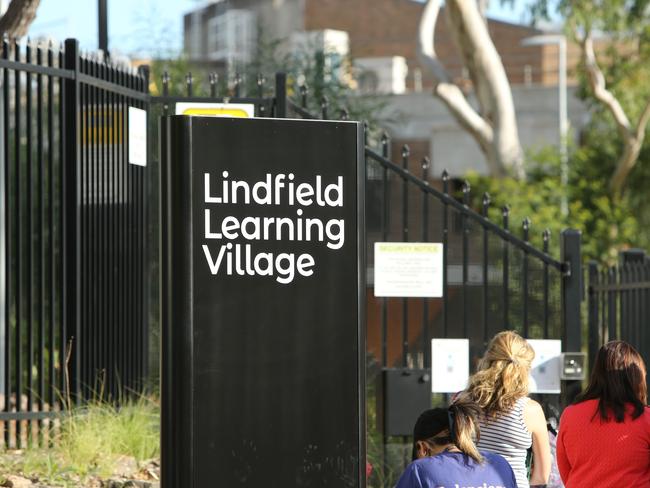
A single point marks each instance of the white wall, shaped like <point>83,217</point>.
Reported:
<point>422,116</point>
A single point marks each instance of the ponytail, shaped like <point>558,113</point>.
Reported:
<point>463,427</point>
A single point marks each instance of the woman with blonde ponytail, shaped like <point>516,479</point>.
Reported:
<point>445,454</point>
<point>511,422</point>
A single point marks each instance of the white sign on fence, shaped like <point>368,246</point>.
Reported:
<point>137,136</point>
<point>449,365</point>
<point>545,370</point>
<point>408,269</point>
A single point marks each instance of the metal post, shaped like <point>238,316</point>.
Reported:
<point>572,293</point>
<point>102,19</point>
<point>593,319</point>
<point>280,95</point>
<point>563,123</point>
<point>72,215</point>
<point>4,232</point>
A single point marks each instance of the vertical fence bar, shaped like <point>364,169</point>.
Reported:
<point>425,238</point>
<point>636,305</point>
<point>384,235</point>
<point>612,313</point>
<point>6,196</point>
<point>105,211</point>
<point>405,237</point>
<point>280,95</point>
<point>484,211</point>
<point>623,301</point>
<point>526,228</point>
<point>72,212</point>
<point>546,237</point>
<point>600,296</point>
<point>593,319</point>
<point>131,256</point>
<point>115,339</point>
<point>144,70</point>
<point>445,255</point>
<point>52,240</point>
<point>87,140</point>
<point>165,91</point>
<point>92,274</point>
<point>18,271</point>
<point>41,247</point>
<point>466,196</point>
<point>505,212</point>
<point>123,230</point>
<point>64,373</point>
<point>29,242</point>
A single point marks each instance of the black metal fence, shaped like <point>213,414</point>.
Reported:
<point>493,278</point>
<point>73,283</point>
<point>619,303</point>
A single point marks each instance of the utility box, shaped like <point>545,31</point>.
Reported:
<point>573,366</point>
<point>402,395</point>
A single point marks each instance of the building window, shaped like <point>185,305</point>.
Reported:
<point>195,50</point>
<point>232,36</point>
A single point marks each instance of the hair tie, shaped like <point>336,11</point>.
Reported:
<point>452,424</point>
<point>513,361</point>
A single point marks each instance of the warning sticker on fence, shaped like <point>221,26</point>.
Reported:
<point>408,269</point>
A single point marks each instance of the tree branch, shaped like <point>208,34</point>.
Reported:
<point>601,93</point>
<point>445,89</point>
<point>643,122</point>
<point>632,137</point>
<point>19,15</point>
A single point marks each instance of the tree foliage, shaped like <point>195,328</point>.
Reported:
<point>613,38</point>
<point>608,224</point>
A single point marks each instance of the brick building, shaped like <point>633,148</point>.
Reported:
<point>227,29</point>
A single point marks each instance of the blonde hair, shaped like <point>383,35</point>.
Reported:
<point>502,376</point>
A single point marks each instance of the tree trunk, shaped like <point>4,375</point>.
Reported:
<point>495,127</point>
<point>19,15</point>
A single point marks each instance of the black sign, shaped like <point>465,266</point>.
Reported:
<point>263,282</point>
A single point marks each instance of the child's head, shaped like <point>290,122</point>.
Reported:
<point>440,428</point>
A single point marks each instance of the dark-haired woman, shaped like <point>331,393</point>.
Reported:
<point>444,453</point>
<point>604,437</point>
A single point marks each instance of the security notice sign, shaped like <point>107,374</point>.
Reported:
<point>408,269</point>
<point>264,345</point>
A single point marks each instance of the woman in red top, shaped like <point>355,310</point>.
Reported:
<point>604,437</point>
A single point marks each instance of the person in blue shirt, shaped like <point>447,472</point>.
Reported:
<point>445,455</point>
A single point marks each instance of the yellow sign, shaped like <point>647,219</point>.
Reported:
<point>244,110</point>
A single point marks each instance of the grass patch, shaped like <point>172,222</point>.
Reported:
<point>90,444</point>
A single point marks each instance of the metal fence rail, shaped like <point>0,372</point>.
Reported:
<point>73,214</point>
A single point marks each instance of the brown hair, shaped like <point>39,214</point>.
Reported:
<point>618,378</point>
<point>502,375</point>
<point>456,425</point>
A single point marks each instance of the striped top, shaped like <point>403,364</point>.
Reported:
<point>508,435</point>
